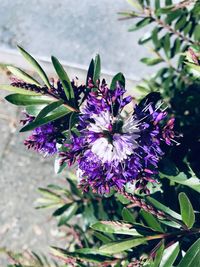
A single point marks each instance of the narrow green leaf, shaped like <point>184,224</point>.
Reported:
<point>120,246</point>
<point>159,254</point>
<point>188,27</point>
<point>135,4</point>
<point>151,61</point>
<point>151,221</point>
<point>49,109</point>
<point>147,37</point>
<point>166,44</point>
<point>61,210</point>
<point>127,215</point>
<point>142,23</point>
<point>57,167</point>
<point>102,238</point>
<point>155,38</point>
<point>115,227</point>
<point>67,215</point>
<point>36,66</point>
<point>169,256</point>
<point>122,199</point>
<point>90,72</point>
<point>181,22</point>
<point>173,16</point>
<point>25,100</point>
<point>192,256</point>
<point>119,77</point>
<point>97,69</point>
<point>197,33</point>
<point>69,92</point>
<point>56,114</point>
<point>164,208</point>
<point>87,255</point>
<point>157,4</point>
<point>17,90</point>
<point>22,75</point>
<point>187,211</point>
<point>34,110</point>
<point>176,47</point>
<point>181,178</point>
<point>49,194</point>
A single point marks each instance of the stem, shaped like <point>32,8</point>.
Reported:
<point>176,233</point>
<point>138,202</point>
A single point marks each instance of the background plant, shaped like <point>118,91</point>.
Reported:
<point>125,229</point>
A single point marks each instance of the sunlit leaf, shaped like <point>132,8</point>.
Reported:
<point>36,66</point>
<point>187,211</point>
<point>69,92</point>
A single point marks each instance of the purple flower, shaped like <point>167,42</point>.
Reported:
<point>113,148</point>
<point>43,139</point>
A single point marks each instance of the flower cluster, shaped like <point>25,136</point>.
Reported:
<point>112,148</point>
<point>43,139</point>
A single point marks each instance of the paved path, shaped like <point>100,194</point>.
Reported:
<point>21,173</point>
<point>74,30</point>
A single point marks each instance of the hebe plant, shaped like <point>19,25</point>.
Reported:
<point>148,222</point>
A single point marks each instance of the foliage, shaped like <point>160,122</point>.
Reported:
<point>121,228</point>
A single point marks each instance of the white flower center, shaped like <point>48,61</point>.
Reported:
<point>113,145</point>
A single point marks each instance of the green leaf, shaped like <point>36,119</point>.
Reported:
<point>119,77</point>
<point>120,246</point>
<point>90,72</point>
<point>169,256</point>
<point>181,22</point>
<point>114,227</point>
<point>173,15</point>
<point>62,209</point>
<point>57,167</point>
<point>122,199</point>
<point>89,255</point>
<point>49,194</point>
<point>156,41</point>
<point>157,4</point>
<point>147,36</point>
<point>25,100</point>
<point>166,44</point>
<point>34,110</point>
<point>97,69</point>
<point>164,208</point>
<point>69,92</point>
<point>192,256</point>
<point>17,90</point>
<point>187,211</point>
<point>127,215</point>
<point>67,215</point>
<point>182,178</point>
<point>135,4</point>
<point>56,114</point>
<point>140,24</point>
<point>176,47</point>
<point>102,238</point>
<point>151,221</point>
<point>22,75</point>
<point>49,108</point>
<point>197,33</point>
<point>159,254</point>
<point>188,28</point>
<point>151,61</point>
<point>36,66</point>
